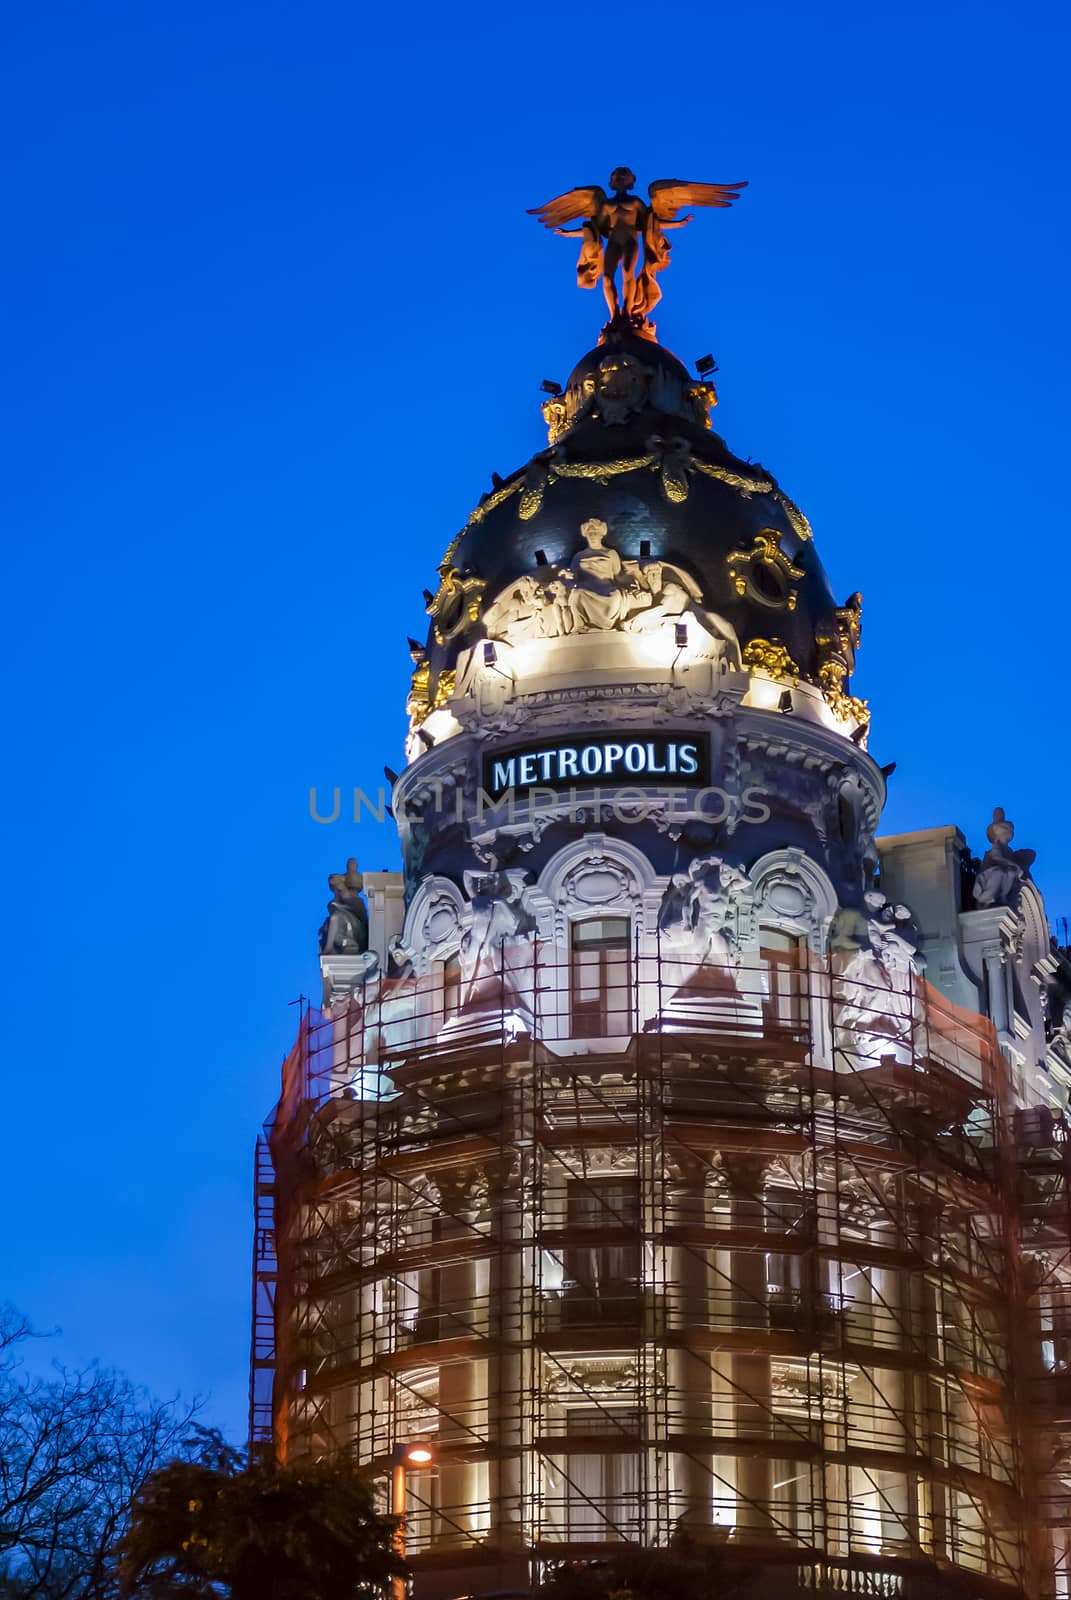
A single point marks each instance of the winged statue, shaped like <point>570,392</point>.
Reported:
<point>612,227</point>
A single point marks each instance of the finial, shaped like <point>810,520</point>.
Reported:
<point>612,228</point>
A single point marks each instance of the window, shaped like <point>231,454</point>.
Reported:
<point>602,1266</point>
<point>597,1496</point>
<point>783,954</point>
<point>451,986</point>
<point>600,977</point>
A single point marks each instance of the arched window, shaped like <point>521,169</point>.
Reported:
<point>600,977</point>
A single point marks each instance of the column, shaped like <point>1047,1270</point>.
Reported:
<point>688,1372</point>
<point>462,1406</point>
<point>505,1367</point>
<point>750,1370</point>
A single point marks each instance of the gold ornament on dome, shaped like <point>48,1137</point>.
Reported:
<point>550,465</point>
<point>621,386</point>
<point>456,603</point>
<point>445,689</point>
<point>847,707</point>
<point>848,620</point>
<point>764,573</point>
<point>771,657</point>
<point>418,704</point>
<point>621,232</point>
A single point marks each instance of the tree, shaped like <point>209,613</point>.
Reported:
<point>74,1445</point>
<point>263,1532</point>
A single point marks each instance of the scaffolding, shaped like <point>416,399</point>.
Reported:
<point>746,1249</point>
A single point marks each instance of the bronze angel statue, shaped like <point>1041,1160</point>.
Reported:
<point>612,226</point>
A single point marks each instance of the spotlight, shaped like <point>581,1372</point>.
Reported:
<point>680,634</point>
<point>858,736</point>
<point>706,364</point>
<point>426,739</point>
<point>785,702</point>
<point>645,549</point>
<point>541,558</point>
<point>418,1455</point>
<point>548,386</point>
<point>490,655</point>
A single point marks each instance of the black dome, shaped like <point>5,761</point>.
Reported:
<point>630,445</point>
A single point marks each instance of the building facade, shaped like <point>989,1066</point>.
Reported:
<point>674,1153</point>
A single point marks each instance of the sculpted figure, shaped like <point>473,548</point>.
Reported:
<point>602,593</point>
<point>528,609</point>
<point>873,986</point>
<point>697,908</point>
<point>675,595</point>
<point>344,930</point>
<point>1003,873</point>
<point>893,935</point>
<point>513,614</point>
<point>673,913</point>
<point>613,227</point>
<point>714,885</point>
<point>600,590</point>
<point>497,912</point>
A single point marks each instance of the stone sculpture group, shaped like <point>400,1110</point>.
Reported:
<point>599,591</point>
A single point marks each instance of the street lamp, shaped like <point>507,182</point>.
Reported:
<point>404,1457</point>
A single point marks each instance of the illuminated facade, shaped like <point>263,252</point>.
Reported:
<point>672,1152</point>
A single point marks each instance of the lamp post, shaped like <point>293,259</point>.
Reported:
<point>403,1457</point>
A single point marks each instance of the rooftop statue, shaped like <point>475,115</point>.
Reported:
<point>344,930</point>
<point>613,226</point>
<point>1003,871</point>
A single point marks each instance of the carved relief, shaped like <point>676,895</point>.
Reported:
<point>497,913</point>
<point>600,591</point>
<point>699,910</point>
<point>790,888</point>
<point>598,883</point>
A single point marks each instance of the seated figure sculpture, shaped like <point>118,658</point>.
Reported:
<point>600,591</point>
<point>602,594</point>
<point>344,930</point>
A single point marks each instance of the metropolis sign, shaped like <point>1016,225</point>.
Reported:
<point>645,758</point>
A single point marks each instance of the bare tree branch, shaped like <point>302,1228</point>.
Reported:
<point>74,1448</point>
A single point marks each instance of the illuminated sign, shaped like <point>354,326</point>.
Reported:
<point>616,758</point>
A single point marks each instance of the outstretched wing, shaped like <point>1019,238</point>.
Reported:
<point>670,195</point>
<point>577,205</point>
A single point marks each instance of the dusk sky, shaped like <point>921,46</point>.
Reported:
<point>274,314</point>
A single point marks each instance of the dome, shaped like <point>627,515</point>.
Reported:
<point>690,532</point>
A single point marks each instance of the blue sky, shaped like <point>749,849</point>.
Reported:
<point>274,313</point>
